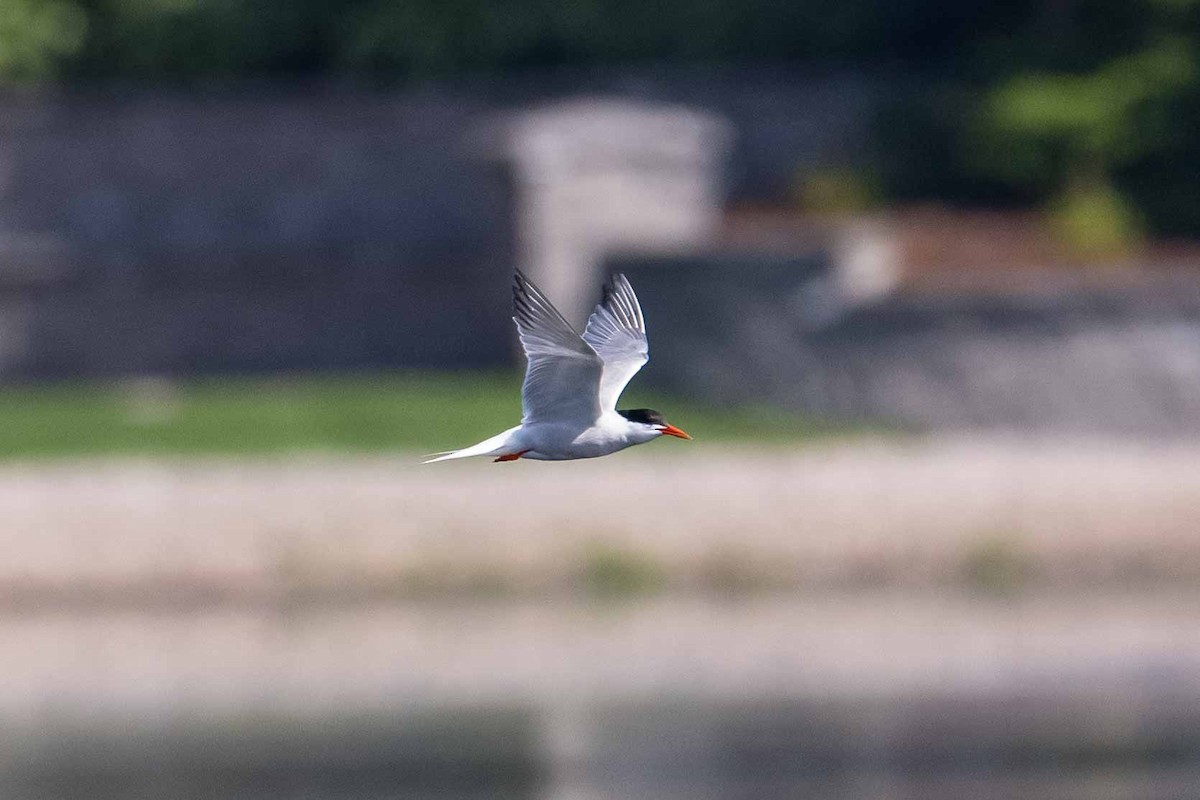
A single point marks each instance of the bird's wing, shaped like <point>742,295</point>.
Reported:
<point>617,332</point>
<point>562,377</point>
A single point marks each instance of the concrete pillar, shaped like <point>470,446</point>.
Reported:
<point>597,177</point>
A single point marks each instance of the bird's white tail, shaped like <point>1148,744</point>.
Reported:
<point>498,445</point>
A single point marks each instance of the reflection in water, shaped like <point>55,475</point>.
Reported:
<point>460,754</point>
<point>1000,747</point>
<point>866,697</point>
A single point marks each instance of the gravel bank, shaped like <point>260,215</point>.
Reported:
<point>990,513</point>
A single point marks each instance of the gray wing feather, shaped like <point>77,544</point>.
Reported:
<point>562,376</point>
<point>617,332</point>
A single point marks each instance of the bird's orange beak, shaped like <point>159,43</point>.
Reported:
<point>671,430</point>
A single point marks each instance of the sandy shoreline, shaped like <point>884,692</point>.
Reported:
<point>910,513</point>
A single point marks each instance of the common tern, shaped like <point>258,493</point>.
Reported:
<point>572,382</point>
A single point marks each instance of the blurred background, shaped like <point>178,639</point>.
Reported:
<point>922,279</point>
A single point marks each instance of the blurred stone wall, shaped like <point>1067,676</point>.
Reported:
<point>773,331</point>
<point>169,234</point>
<point>270,228</point>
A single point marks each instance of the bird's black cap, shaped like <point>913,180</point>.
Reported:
<point>646,416</point>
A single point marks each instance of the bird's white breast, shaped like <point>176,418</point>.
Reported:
<point>561,441</point>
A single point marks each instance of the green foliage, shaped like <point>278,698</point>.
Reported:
<point>37,35</point>
<point>1013,101</point>
<point>413,412</point>
<point>613,572</point>
<point>1038,123</point>
<point>1089,107</point>
<point>1092,220</point>
<point>996,564</point>
<point>201,39</point>
<point>1067,135</point>
<point>198,39</point>
<point>837,191</point>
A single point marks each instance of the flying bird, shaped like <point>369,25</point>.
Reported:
<point>572,382</point>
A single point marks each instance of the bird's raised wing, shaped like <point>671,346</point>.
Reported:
<point>562,377</point>
<point>617,332</point>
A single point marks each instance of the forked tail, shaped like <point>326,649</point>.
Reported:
<point>496,446</point>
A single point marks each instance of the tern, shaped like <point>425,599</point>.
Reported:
<point>572,382</point>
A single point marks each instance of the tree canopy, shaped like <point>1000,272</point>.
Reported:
<point>996,102</point>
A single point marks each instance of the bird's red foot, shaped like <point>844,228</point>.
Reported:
<point>510,456</point>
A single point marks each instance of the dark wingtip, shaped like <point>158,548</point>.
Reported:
<point>610,285</point>
<point>520,290</point>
